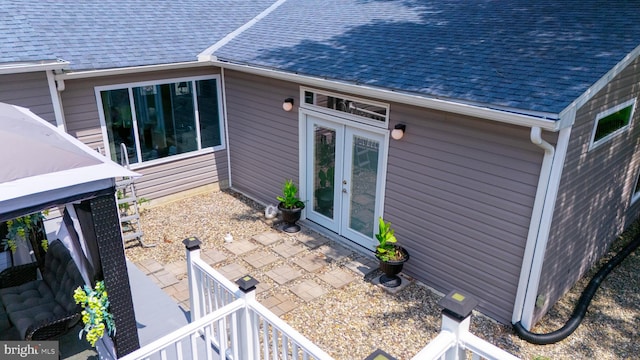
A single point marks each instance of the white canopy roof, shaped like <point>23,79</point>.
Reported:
<point>42,165</point>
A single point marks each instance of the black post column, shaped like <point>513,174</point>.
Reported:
<point>114,267</point>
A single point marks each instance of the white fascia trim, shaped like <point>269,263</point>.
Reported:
<point>567,121</point>
<point>540,227</point>
<point>392,96</point>
<point>126,70</point>
<point>207,54</point>
<point>56,101</point>
<point>16,68</point>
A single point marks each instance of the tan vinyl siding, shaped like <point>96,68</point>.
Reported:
<point>593,204</point>
<point>460,193</point>
<point>30,90</point>
<point>263,138</point>
<point>168,178</point>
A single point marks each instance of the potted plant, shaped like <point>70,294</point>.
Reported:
<point>290,206</point>
<point>391,255</point>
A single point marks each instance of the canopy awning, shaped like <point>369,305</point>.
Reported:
<point>43,166</point>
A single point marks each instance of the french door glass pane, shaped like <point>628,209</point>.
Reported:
<point>209,113</point>
<point>119,123</point>
<point>364,172</point>
<point>324,170</point>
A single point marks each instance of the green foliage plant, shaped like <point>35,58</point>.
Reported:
<point>289,198</point>
<point>95,316</point>
<point>19,229</point>
<point>387,249</point>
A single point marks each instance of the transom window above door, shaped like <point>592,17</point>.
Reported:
<point>163,119</point>
<point>362,110</point>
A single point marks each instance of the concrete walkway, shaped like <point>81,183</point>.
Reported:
<point>292,269</point>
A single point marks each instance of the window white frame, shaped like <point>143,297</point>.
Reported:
<point>191,79</point>
<point>345,115</point>
<point>593,143</point>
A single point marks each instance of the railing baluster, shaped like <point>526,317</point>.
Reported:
<point>285,347</point>
<point>265,339</point>
<point>234,335</point>
<point>274,342</point>
<point>179,350</point>
<point>208,341</point>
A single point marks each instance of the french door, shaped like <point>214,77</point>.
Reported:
<point>344,169</point>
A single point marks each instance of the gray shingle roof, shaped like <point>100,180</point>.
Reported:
<point>100,34</point>
<point>530,55</point>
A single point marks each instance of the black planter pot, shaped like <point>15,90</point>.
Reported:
<point>290,216</point>
<point>391,269</point>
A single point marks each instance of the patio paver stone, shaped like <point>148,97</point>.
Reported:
<point>260,259</point>
<point>280,304</point>
<point>308,290</point>
<point>212,256</point>
<point>149,266</point>
<point>288,249</point>
<point>363,265</point>
<point>335,252</point>
<point>240,247</point>
<point>178,269</point>
<point>337,278</point>
<point>311,262</point>
<point>164,278</point>
<point>233,271</point>
<point>267,238</point>
<point>283,274</point>
<point>312,241</point>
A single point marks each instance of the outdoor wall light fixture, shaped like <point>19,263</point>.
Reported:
<point>287,105</point>
<point>398,131</point>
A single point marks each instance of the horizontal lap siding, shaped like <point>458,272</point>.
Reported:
<point>83,122</point>
<point>263,138</point>
<point>29,90</point>
<point>460,193</point>
<point>593,204</point>
<point>459,190</point>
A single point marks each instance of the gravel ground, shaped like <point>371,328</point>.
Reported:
<point>352,322</point>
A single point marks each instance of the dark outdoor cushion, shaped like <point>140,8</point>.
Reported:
<point>29,303</point>
<point>37,302</point>
<point>4,319</point>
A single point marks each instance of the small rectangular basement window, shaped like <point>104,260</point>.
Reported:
<point>611,122</point>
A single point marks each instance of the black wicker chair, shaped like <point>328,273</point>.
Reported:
<point>41,309</point>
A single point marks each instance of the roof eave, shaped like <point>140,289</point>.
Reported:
<point>545,121</point>
<point>32,66</point>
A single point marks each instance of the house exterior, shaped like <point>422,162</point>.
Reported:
<point>517,169</point>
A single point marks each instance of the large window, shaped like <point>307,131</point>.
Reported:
<point>612,122</point>
<point>161,119</point>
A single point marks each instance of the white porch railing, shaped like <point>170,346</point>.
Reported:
<point>455,342</point>
<point>228,323</point>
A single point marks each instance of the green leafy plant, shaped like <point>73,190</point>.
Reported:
<point>124,207</point>
<point>19,229</point>
<point>95,316</point>
<point>289,198</point>
<point>387,249</point>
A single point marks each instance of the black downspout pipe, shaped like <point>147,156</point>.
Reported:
<point>582,305</point>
